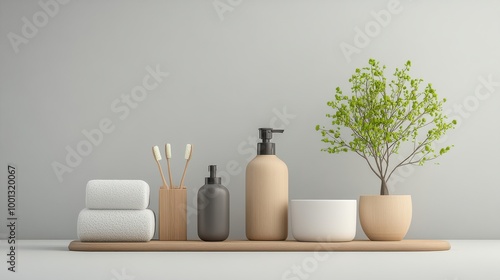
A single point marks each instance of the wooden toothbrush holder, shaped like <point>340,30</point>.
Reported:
<point>172,214</point>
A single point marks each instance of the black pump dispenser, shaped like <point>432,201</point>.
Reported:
<point>212,179</point>
<point>266,147</point>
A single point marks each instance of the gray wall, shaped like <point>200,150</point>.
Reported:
<point>234,66</point>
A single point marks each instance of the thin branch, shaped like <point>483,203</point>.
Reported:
<point>417,161</point>
<point>404,133</point>
<point>387,159</point>
<point>369,163</point>
<point>410,156</point>
<point>363,155</point>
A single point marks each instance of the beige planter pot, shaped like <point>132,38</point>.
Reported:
<point>385,217</point>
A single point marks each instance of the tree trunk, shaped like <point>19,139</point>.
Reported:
<point>383,188</point>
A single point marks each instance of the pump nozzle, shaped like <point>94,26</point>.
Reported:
<point>266,147</point>
<point>213,170</point>
<point>266,134</point>
<point>213,179</point>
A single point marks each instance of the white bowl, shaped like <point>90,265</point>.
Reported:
<point>323,220</point>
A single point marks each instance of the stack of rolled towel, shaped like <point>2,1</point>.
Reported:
<point>116,211</point>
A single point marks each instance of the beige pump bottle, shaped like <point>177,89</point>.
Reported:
<point>266,192</point>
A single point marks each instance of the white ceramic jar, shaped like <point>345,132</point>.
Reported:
<point>323,220</point>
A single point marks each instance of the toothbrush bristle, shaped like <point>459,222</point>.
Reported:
<point>156,152</point>
<point>168,150</point>
<point>187,155</point>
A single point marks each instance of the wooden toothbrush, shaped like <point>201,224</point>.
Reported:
<point>157,155</point>
<point>187,156</point>
<point>168,154</point>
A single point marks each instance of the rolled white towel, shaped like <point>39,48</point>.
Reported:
<point>117,194</point>
<point>116,225</point>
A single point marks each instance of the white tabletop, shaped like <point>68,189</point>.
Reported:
<point>51,259</point>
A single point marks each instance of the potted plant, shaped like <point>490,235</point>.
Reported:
<point>378,121</point>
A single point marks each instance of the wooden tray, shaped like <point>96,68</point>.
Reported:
<point>277,246</point>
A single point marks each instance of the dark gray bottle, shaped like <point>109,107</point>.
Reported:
<point>213,209</point>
